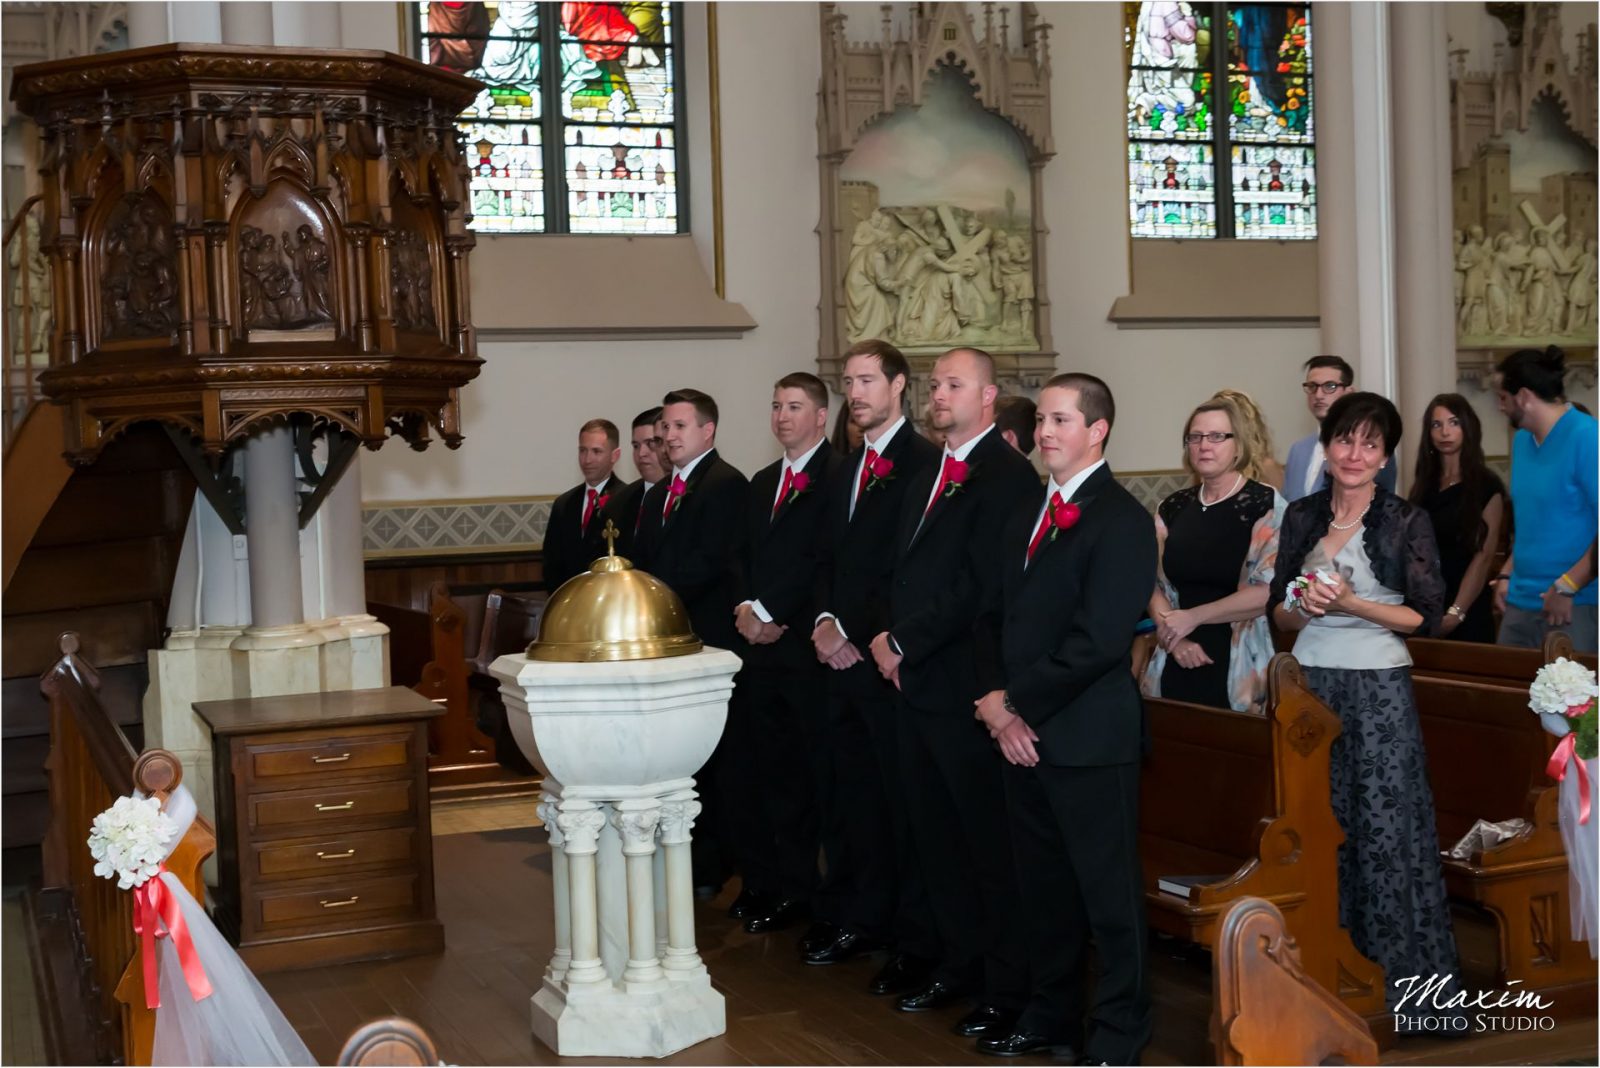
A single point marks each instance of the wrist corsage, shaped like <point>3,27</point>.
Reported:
<point>1294,594</point>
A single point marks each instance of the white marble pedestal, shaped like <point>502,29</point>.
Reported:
<point>619,743</point>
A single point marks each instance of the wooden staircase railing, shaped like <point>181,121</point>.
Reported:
<point>27,315</point>
<point>91,764</point>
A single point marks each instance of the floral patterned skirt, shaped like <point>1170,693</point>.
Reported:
<point>1391,884</point>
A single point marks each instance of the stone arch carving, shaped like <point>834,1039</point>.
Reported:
<point>1007,71</point>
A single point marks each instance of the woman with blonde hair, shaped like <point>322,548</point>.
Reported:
<point>1218,543</point>
<point>1252,427</point>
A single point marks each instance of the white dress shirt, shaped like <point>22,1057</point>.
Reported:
<point>599,490</point>
<point>953,454</point>
<point>683,473</point>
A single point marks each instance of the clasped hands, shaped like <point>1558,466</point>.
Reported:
<point>1320,597</point>
<point>1008,729</point>
<point>1172,634</point>
<point>752,629</point>
<point>833,648</point>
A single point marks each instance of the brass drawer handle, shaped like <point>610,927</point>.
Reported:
<point>346,855</point>
<point>340,759</point>
<point>345,807</point>
<point>351,900</point>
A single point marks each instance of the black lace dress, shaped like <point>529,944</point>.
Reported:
<point>1456,551</point>
<point>1203,558</point>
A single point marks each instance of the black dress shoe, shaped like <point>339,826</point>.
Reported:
<point>749,903</point>
<point>818,935</point>
<point>936,995</point>
<point>902,974</point>
<point>846,946</point>
<point>785,913</point>
<point>1022,1043</point>
<point>986,1021</point>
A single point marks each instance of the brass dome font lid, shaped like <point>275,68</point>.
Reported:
<point>613,612</point>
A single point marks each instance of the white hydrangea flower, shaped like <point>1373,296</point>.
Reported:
<point>1562,686</point>
<point>129,840</point>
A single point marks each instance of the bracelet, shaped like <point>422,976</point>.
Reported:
<point>1566,585</point>
<point>1455,610</point>
<point>1500,578</point>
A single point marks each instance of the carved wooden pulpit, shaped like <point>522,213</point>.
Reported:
<point>240,234</point>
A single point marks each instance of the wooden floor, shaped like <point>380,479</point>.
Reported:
<point>493,890</point>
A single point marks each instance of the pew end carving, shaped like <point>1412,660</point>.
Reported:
<point>1266,1009</point>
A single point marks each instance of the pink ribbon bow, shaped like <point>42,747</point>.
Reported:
<point>154,904</point>
<point>1557,770</point>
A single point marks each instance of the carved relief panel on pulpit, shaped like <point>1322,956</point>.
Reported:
<point>241,235</point>
<point>933,144</point>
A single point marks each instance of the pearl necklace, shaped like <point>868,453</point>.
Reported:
<point>1204,504</point>
<point>1356,522</point>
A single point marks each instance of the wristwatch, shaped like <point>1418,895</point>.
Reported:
<point>1005,700</point>
<point>1455,610</point>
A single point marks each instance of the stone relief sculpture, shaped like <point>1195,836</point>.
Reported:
<point>139,271</point>
<point>1525,188</point>
<point>938,275</point>
<point>933,139</point>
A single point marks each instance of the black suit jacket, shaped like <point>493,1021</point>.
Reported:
<point>696,551</point>
<point>780,558</point>
<point>626,509</point>
<point>945,573</point>
<point>1066,624</point>
<point>568,550</point>
<point>857,553</point>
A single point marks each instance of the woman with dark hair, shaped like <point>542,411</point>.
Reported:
<point>1357,570</point>
<point>1467,504</point>
<point>846,436</point>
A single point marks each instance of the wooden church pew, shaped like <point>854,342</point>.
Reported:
<point>1486,760</point>
<point>87,954</point>
<point>1265,1009</point>
<point>1244,798</point>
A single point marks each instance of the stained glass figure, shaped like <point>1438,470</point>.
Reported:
<point>614,117</point>
<point>1193,175</point>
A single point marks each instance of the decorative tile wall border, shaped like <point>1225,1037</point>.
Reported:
<point>516,524</point>
<point>437,528</point>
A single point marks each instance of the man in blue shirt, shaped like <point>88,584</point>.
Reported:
<point>1327,379</point>
<point>1548,583</point>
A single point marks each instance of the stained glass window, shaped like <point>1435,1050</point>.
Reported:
<point>578,128</point>
<point>1200,165</point>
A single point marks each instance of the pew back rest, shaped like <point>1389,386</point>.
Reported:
<point>510,623</point>
<point>410,640</point>
<point>1208,782</point>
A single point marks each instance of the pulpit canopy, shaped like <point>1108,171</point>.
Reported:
<point>239,235</point>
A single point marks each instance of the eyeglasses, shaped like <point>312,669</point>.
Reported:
<point>1216,437</point>
<point>1326,387</point>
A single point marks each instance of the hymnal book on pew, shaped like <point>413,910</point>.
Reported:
<point>1180,884</point>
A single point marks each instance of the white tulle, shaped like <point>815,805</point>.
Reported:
<point>1582,841</point>
<point>238,1023</point>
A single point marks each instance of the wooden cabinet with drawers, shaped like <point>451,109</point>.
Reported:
<point>325,848</point>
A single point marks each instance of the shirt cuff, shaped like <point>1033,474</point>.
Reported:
<point>894,646</point>
<point>760,611</point>
<point>829,615</point>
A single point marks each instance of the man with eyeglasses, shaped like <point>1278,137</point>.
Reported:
<point>1327,379</point>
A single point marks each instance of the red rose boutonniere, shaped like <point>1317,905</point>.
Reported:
<point>879,471</point>
<point>956,473</point>
<point>600,501</point>
<point>1064,516</point>
<point>801,483</point>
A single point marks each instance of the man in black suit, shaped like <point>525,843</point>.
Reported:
<point>947,565</point>
<point>872,895</point>
<point>572,538</point>
<point>771,782</point>
<point>1079,563</point>
<point>690,537</point>
<point>628,504</point>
